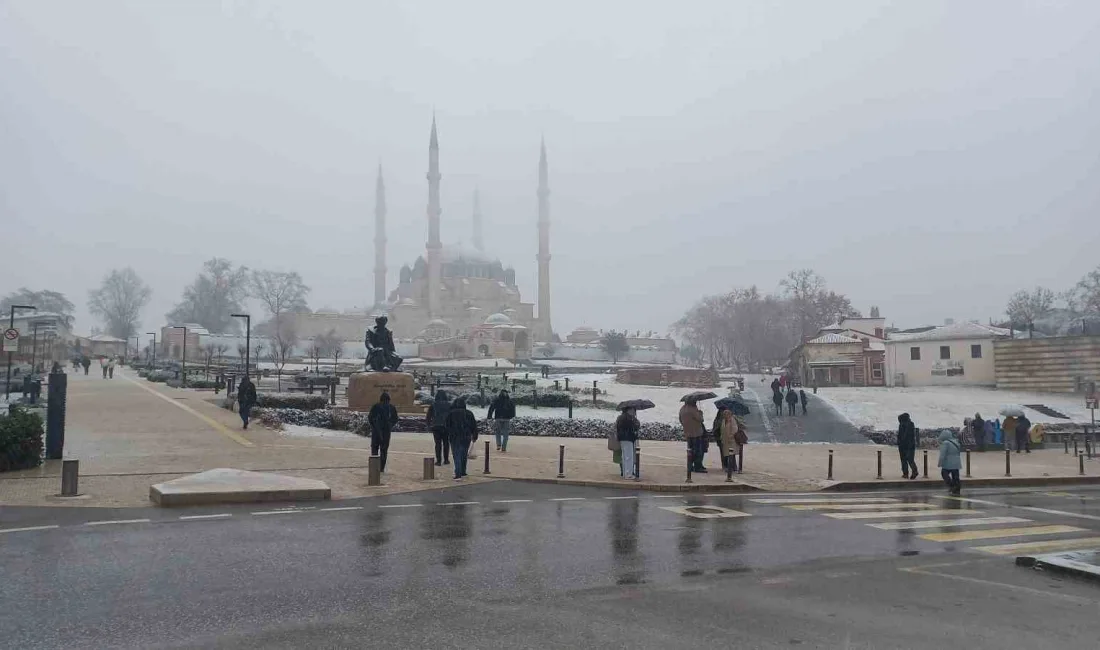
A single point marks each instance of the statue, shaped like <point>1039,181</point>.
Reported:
<point>380,348</point>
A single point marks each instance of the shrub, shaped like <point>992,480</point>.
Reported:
<point>201,383</point>
<point>21,434</point>
<point>291,401</point>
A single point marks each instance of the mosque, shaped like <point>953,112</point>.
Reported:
<point>452,301</point>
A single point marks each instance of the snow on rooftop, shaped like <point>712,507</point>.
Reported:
<point>951,332</point>
<point>834,338</point>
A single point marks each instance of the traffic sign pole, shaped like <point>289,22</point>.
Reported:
<point>11,328</point>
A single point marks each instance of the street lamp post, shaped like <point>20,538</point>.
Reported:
<point>11,324</point>
<point>183,366</point>
<point>247,340</point>
<point>34,345</point>
<point>153,363</point>
<point>137,347</point>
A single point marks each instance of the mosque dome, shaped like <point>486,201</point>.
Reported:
<point>498,319</point>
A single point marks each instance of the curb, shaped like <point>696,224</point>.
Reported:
<point>171,500</point>
<point>1038,562</point>
<point>731,488</point>
<point>930,483</point>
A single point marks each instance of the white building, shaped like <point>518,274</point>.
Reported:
<point>956,354</point>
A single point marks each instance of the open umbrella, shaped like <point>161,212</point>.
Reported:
<point>737,406</point>
<point>638,404</point>
<point>1012,411</point>
<point>698,396</point>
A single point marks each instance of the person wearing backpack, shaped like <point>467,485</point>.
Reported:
<point>461,427</point>
<point>436,421</point>
<point>907,446</point>
<point>382,419</point>
<point>950,461</point>
<point>501,412</point>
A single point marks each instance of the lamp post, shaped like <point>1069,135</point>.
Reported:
<point>183,365</point>
<point>34,345</point>
<point>153,364</point>
<point>11,325</point>
<point>247,340</point>
<point>137,347</point>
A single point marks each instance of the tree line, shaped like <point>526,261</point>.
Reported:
<point>1066,312</point>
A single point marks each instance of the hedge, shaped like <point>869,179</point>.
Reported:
<point>21,434</point>
<point>292,401</point>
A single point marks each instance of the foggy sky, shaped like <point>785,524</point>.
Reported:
<point>926,157</point>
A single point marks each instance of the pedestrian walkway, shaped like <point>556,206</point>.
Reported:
<point>945,525</point>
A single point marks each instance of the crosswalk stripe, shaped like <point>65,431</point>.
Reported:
<point>863,506</point>
<point>1041,547</point>
<point>826,501</point>
<point>993,533</point>
<point>900,513</point>
<point>937,523</point>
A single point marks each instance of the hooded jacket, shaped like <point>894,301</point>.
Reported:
<point>437,412</point>
<point>907,432</point>
<point>383,416</point>
<point>626,428</point>
<point>460,423</point>
<point>950,451</point>
<point>246,392</point>
<point>502,408</point>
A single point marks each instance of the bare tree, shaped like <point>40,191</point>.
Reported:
<point>283,341</point>
<point>314,351</point>
<point>219,351</point>
<point>1026,307</point>
<point>45,300</point>
<point>119,300</point>
<point>279,292</point>
<point>1085,297</point>
<point>211,299</point>
<point>331,345</point>
<point>208,351</point>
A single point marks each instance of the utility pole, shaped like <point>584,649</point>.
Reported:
<point>11,325</point>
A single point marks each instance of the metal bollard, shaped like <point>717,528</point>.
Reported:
<point>879,454</point>
<point>486,470</point>
<point>691,457</point>
<point>56,393</point>
<point>557,384</point>
<point>570,408</point>
<point>535,398</point>
<point>830,477</point>
<point>741,460</point>
<point>526,375</point>
<point>332,394</point>
<point>1081,465</point>
<point>374,470</point>
<point>479,381</point>
<point>561,461</point>
<point>1008,462</point>
<point>595,392</point>
<point>566,383</point>
<point>70,477</point>
<point>967,463</point>
<point>925,463</point>
<point>637,461</point>
<point>429,469</point>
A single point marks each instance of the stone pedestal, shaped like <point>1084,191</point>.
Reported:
<point>364,389</point>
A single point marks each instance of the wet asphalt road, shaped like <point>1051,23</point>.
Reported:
<point>530,566</point>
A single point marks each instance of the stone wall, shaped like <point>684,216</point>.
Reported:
<point>1058,364</point>
<point>687,377</point>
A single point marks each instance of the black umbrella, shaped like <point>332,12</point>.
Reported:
<point>737,406</point>
<point>698,395</point>
<point>637,404</point>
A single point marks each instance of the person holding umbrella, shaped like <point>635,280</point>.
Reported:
<point>691,419</point>
<point>626,434</point>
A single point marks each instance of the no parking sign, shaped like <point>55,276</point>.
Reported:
<point>11,340</point>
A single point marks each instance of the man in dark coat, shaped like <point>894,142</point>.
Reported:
<point>792,400</point>
<point>461,426</point>
<point>501,412</point>
<point>907,446</point>
<point>437,417</point>
<point>246,399</point>
<point>977,427</point>
<point>382,419</point>
<point>777,399</point>
<point>1023,434</point>
<point>802,397</point>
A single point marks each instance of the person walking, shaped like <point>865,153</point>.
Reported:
<point>436,420</point>
<point>950,461</point>
<point>1023,434</point>
<point>87,363</point>
<point>626,432</point>
<point>776,385</point>
<point>103,366</point>
<point>246,399</point>
<point>1008,431</point>
<point>977,427</point>
<point>907,446</point>
<point>382,419</point>
<point>691,419</point>
<point>501,412</point>
<point>461,427</point>
<point>615,448</point>
<point>777,399</point>
<point>111,368</point>
<point>803,398</point>
<point>792,401</point>
<point>725,430</point>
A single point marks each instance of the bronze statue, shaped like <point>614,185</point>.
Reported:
<point>381,356</point>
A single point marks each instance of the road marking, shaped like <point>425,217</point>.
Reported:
<point>993,533</point>
<point>569,499</point>
<point>277,512</point>
<point>1061,513</point>
<point>512,501</point>
<point>1040,547</point>
<point>341,509</point>
<point>864,506</point>
<point>677,496</point>
<point>619,498</point>
<point>224,515</point>
<point>217,426</point>
<point>403,505</point>
<point>828,500</point>
<point>900,513</point>
<point>937,523</point>
<point>27,529</point>
<point>461,503</point>
<point>998,585</point>
<point>116,521</point>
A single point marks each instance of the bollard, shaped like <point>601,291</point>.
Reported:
<point>566,383</point>
<point>1081,464</point>
<point>535,398</point>
<point>741,460</point>
<point>879,454</point>
<point>690,457</point>
<point>70,477</point>
<point>526,375</point>
<point>570,408</point>
<point>595,392</point>
<point>374,470</point>
<point>479,381</point>
<point>967,463</point>
<point>830,476</point>
<point>429,469</point>
<point>637,461</point>
<point>1008,462</point>
<point>557,384</point>
<point>925,463</point>
<point>332,394</point>
<point>486,470</point>
<point>56,393</point>
<point>513,385</point>
<point>561,461</point>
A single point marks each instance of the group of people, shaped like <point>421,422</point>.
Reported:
<point>454,428</point>
<point>950,459</point>
<point>792,398</point>
<point>106,364</point>
<point>728,431</point>
<point>1015,432</point>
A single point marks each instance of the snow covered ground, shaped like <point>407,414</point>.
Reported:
<point>941,406</point>
<point>298,431</point>
<point>507,365</point>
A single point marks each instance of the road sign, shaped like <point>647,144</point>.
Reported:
<point>1090,403</point>
<point>11,340</point>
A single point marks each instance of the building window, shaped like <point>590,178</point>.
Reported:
<point>878,332</point>
<point>945,351</point>
<point>876,370</point>
<point>914,354</point>
<point>976,351</point>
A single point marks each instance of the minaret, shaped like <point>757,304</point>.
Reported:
<point>479,244</point>
<point>379,240</point>
<point>434,247</point>
<point>543,319</point>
